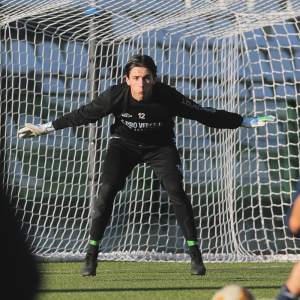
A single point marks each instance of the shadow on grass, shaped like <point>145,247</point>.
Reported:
<point>150,289</point>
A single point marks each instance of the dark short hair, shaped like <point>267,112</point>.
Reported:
<point>143,61</point>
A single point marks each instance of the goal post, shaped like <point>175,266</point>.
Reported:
<point>241,56</point>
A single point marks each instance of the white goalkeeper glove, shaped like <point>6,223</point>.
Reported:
<point>257,121</point>
<point>31,130</point>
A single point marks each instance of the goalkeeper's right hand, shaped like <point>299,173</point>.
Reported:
<point>31,130</point>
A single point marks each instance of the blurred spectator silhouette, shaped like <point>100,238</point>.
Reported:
<point>20,276</point>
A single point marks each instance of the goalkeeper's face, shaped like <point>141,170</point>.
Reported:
<point>141,82</point>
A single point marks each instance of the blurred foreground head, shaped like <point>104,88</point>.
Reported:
<point>20,277</point>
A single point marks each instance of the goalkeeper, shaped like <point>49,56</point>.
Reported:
<point>143,133</point>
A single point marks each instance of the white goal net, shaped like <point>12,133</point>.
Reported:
<point>241,56</point>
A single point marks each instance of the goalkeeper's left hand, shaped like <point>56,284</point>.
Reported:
<point>257,121</point>
<point>32,130</point>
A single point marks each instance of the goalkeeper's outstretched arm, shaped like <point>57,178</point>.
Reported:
<point>89,113</point>
<point>215,118</point>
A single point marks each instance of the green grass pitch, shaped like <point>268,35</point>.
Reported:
<point>152,280</point>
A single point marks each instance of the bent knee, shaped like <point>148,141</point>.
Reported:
<point>111,184</point>
<point>294,225</point>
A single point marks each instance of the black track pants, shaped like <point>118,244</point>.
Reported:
<point>173,186</point>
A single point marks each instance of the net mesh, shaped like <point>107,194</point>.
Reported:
<point>241,56</point>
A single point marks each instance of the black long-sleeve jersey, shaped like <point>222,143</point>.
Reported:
<point>148,122</point>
